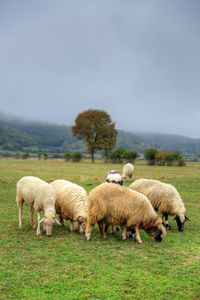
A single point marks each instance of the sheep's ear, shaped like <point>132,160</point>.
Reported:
<point>57,221</point>
<point>42,220</point>
<point>187,218</point>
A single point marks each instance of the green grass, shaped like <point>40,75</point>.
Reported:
<point>66,266</point>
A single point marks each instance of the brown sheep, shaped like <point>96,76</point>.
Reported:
<point>112,204</point>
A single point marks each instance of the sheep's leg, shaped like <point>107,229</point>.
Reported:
<point>32,218</point>
<point>165,215</point>
<point>124,233</point>
<point>100,227</point>
<point>62,220</point>
<point>112,230</point>
<point>71,226</point>
<point>20,203</point>
<point>38,227</point>
<point>138,239</point>
<point>103,231</point>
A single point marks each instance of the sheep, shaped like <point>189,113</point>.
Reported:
<point>40,196</point>
<point>113,176</point>
<point>112,204</point>
<point>127,171</point>
<point>164,198</point>
<point>71,203</point>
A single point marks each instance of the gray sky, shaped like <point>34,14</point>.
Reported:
<point>137,60</point>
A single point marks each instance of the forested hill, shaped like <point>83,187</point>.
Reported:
<point>17,135</point>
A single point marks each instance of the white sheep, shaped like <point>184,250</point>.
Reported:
<point>71,203</point>
<point>40,196</point>
<point>113,176</point>
<point>164,198</point>
<point>112,204</point>
<point>127,171</point>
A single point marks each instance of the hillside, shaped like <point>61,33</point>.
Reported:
<point>168,142</point>
<point>17,135</point>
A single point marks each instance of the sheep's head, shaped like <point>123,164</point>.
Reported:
<point>155,229</point>
<point>82,224</point>
<point>49,220</point>
<point>180,220</point>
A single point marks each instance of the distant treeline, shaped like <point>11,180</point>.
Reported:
<point>37,137</point>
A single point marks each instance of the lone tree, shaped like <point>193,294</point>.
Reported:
<point>97,130</point>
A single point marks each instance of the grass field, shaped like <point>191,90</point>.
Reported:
<point>66,266</point>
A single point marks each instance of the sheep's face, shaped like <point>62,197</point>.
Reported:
<point>180,220</point>
<point>157,231</point>
<point>82,224</point>
<point>48,221</point>
<point>48,224</point>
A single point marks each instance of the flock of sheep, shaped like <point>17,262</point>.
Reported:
<point>108,204</point>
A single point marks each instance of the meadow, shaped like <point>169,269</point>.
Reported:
<point>66,266</point>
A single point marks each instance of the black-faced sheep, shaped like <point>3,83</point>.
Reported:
<point>71,203</point>
<point>114,177</point>
<point>112,204</point>
<point>164,198</point>
<point>40,196</point>
<point>127,171</point>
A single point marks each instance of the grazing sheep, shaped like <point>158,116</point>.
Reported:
<point>114,177</point>
<point>112,204</point>
<point>71,203</point>
<point>164,198</point>
<point>40,196</point>
<point>127,171</point>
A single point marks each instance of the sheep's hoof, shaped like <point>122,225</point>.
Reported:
<point>34,226</point>
<point>168,227</point>
<point>20,226</point>
<point>38,233</point>
<point>139,241</point>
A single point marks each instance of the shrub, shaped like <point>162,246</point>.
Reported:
<point>181,162</point>
<point>25,155</point>
<point>39,155</point>
<point>169,158</point>
<point>116,156</point>
<point>160,158</point>
<point>76,156</point>
<point>17,156</point>
<point>150,155</point>
<point>67,156</point>
<point>130,156</point>
<point>45,156</point>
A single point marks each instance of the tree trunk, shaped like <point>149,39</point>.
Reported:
<point>92,156</point>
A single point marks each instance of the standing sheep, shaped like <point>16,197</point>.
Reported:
<point>114,177</point>
<point>127,171</point>
<point>112,204</point>
<point>40,196</point>
<point>164,198</point>
<point>71,203</point>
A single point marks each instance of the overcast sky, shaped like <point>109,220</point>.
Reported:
<point>137,60</point>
